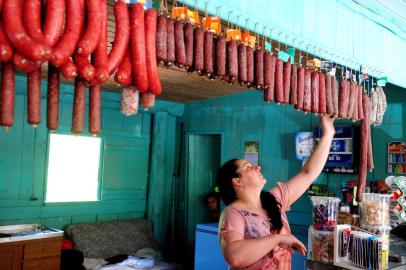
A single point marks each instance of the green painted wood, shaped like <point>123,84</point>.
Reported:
<point>106,217</point>
<point>83,219</point>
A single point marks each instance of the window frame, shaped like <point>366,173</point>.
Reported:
<point>99,175</point>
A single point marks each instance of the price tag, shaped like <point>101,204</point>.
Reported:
<point>193,17</point>
<point>146,3</point>
<point>382,81</point>
<point>291,52</point>
<point>248,39</point>
<point>268,46</point>
<point>212,24</point>
<point>179,13</point>
<point>283,56</point>
<point>234,34</point>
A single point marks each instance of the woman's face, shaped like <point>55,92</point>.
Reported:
<point>212,203</point>
<point>250,175</point>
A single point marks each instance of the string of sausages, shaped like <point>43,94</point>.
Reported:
<point>70,36</point>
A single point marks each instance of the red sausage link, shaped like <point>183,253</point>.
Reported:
<point>287,69</point>
<point>162,39</point>
<point>232,58</point>
<point>79,106</point>
<point>208,53</point>
<point>147,100</point>
<point>259,69</point>
<point>198,52</point>
<point>242,63</point>
<point>139,61</point>
<point>329,95</point>
<point>307,95</point>
<point>279,81</point>
<point>221,56</point>
<point>85,69</point>
<point>11,15</point>
<point>154,83</point>
<point>88,42</point>
<point>69,70</point>
<point>170,34</point>
<point>123,75</point>
<point>24,64</point>
<point>188,29</point>
<point>355,113</point>
<point>269,76</point>
<point>360,104</point>
<point>32,20</point>
<point>34,97</point>
<point>370,155</point>
<point>94,109</point>
<point>67,43</point>
<point>344,99</point>
<point>180,53</point>
<point>250,66</point>
<point>334,85</point>
<point>55,18</point>
<point>121,38</point>
<point>315,92</point>
<point>293,86</point>
<point>53,98</point>
<point>352,100</point>
<point>6,52</point>
<point>322,94</point>
<point>362,175</point>
<point>7,93</point>
<point>100,56</point>
<point>300,88</point>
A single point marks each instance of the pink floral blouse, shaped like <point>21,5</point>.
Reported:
<point>252,226</point>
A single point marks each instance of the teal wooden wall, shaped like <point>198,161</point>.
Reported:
<point>124,171</point>
<point>245,117</point>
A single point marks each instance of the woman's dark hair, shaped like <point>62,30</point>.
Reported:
<point>227,193</point>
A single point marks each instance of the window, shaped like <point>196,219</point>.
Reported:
<point>73,168</point>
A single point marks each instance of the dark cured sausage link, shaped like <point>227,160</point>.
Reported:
<point>24,64</point>
<point>352,100</point>
<point>300,88</point>
<point>360,104</point>
<point>198,50</point>
<point>90,38</point>
<point>279,81</point>
<point>170,35</point>
<point>32,19</point>
<point>139,62</point>
<point>188,29</point>
<point>344,99</point>
<point>250,66</point>
<point>329,95</point>
<point>286,81</point>
<point>208,53</point>
<point>94,109</point>
<point>362,175</point>
<point>147,100</point>
<point>307,95</point>
<point>334,85</point>
<point>53,98</point>
<point>122,36</point>
<point>355,114</point>
<point>7,93</point>
<point>180,53</point>
<point>162,39</point>
<point>232,58</point>
<point>293,86</point>
<point>154,83</point>
<point>6,52</point>
<point>123,75</point>
<point>242,63</point>
<point>55,17</point>
<point>21,41</point>
<point>69,70</point>
<point>214,57</point>
<point>221,54</point>
<point>67,43</point>
<point>322,94</point>
<point>370,157</point>
<point>79,106</point>
<point>34,97</point>
<point>259,69</point>
<point>315,86</point>
<point>269,70</point>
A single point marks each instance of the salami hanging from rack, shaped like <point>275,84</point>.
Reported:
<point>315,92</point>
<point>307,95</point>
<point>300,88</point>
<point>293,86</point>
<point>329,95</point>
<point>242,64</point>
<point>322,94</point>
<point>269,76</point>
<point>259,68</point>
<point>279,81</point>
<point>286,81</point>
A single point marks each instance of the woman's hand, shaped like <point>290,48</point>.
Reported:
<point>327,126</point>
<point>288,242</point>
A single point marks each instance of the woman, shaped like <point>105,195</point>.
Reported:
<point>253,229</point>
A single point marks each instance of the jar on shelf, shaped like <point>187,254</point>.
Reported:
<point>375,210</point>
<point>323,246</point>
<point>324,212</point>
